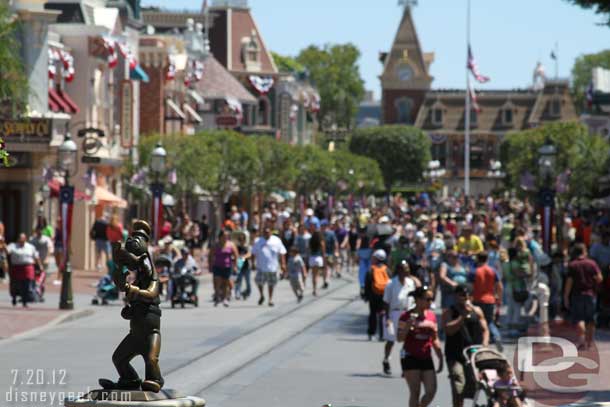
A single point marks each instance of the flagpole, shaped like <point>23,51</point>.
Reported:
<point>556,60</point>
<point>467,114</point>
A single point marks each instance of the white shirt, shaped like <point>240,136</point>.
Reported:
<point>267,253</point>
<point>397,296</point>
<point>21,256</point>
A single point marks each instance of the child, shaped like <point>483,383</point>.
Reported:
<point>506,388</point>
<point>296,272</point>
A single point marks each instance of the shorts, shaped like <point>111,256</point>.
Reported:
<point>222,272</point>
<point>102,246</point>
<point>391,336</point>
<point>266,277</point>
<point>582,308</point>
<point>316,261</point>
<point>413,363</point>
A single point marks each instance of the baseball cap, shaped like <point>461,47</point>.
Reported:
<point>309,212</point>
<point>379,254</point>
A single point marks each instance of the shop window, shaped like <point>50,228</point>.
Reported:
<point>507,117</point>
<point>263,114</point>
<point>437,116</point>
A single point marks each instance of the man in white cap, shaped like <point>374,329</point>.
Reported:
<point>374,287</point>
<point>310,219</point>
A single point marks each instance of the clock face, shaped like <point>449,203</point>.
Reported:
<point>405,72</point>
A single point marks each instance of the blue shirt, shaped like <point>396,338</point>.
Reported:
<point>309,220</point>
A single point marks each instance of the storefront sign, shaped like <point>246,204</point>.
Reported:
<point>226,121</point>
<point>26,131</point>
<point>126,114</point>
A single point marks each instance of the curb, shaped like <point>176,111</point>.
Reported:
<point>69,316</point>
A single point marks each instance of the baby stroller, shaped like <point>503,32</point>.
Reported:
<point>484,364</point>
<point>106,289</point>
<point>163,266</point>
<point>184,288</point>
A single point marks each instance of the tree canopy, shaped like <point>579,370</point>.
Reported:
<point>600,7</point>
<point>219,161</point>
<point>584,155</point>
<point>402,152</point>
<point>286,63</point>
<point>334,71</point>
<point>13,81</point>
<point>581,73</point>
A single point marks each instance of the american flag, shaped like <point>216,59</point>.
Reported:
<point>473,100</point>
<point>472,65</point>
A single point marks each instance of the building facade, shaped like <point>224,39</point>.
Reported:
<point>408,98</point>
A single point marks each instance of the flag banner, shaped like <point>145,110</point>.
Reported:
<point>157,210</point>
<point>553,55</point>
<point>262,85</point>
<point>67,61</point>
<point>110,46</point>
<point>474,69</point>
<point>66,202</point>
<point>171,68</point>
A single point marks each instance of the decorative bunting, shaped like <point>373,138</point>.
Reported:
<point>67,61</point>
<point>436,138</point>
<point>53,59</point>
<point>194,72</point>
<point>110,46</point>
<point>262,85</point>
<point>171,68</point>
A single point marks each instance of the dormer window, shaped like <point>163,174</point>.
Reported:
<point>251,51</point>
<point>473,118</point>
<point>437,116</point>
<point>507,117</point>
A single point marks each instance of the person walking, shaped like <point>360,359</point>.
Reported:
<point>332,254</point>
<point>102,246</point>
<point>22,258</point>
<point>487,293</point>
<point>374,287</point>
<point>464,325</point>
<point>297,273</point>
<point>222,260</point>
<point>451,274</point>
<point>396,300</point>
<point>317,256</point>
<point>269,256</point>
<point>115,232</point>
<point>417,329</point>
<point>363,253</point>
<point>580,290</point>
<point>243,268</point>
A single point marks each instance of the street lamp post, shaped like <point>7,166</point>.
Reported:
<point>157,166</point>
<point>546,162</point>
<point>66,157</point>
<point>434,171</point>
<point>495,172</point>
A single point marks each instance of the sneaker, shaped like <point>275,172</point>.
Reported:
<point>58,282</point>
<point>271,304</point>
<point>325,286</point>
<point>499,346</point>
<point>299,298</point>
<point>386,367</point>
<point>225,303</point>
<point>261,300</point>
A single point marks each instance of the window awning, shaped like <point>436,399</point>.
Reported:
<point>176,109</point>
<point>192,113</point>
<point>53,106</point>
<point>139,74</point>
<point>59,101</point>
<point>107,198</point>
<point>196,97</point>
<point>73,108</point>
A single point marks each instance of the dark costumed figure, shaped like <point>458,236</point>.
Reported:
<point>142,311</point>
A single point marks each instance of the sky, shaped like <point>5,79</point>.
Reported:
<point>507,37</point>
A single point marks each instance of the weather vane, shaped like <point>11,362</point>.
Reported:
<point>407,3</point>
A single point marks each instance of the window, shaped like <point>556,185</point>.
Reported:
<point>404,109</point>
<point>507,117</point>
<point>556,107</point>
<point>263,113</point>
<point>473,118</point>
<point>477,155</point>
<point>437,116</point>
<point>439,152</point>
<point>251,51</point>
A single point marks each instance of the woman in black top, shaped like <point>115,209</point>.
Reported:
<point>317,255</point>
<point>465,326</point>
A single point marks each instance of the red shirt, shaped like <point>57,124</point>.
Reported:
<point>583,272</point>
<point>484,289</point>
<point>115,234</point>
<point>419,340</point>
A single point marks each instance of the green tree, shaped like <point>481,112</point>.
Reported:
<point>287,64</point>
<point>334,71</point>
<point>581,74</point>
<point>402,152</point>
<point>600,6</point>
<point>583,154</point>
<point>356,171</point>
<point>13,81</point>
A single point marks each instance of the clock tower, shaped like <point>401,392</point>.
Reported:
<point>405,79</point>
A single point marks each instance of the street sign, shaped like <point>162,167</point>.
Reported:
<point>90,160</point>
